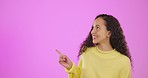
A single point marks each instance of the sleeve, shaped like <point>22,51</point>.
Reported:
<point>75,71</point>
<point>126,70</point>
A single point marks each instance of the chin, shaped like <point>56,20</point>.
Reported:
<point>95,42</point>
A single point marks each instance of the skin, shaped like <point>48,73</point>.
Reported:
<point>64,60</point>
<point>100,35</point>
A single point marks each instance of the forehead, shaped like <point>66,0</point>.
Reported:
<point>99,21</point>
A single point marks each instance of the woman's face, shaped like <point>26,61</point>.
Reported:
<point>99,33</point>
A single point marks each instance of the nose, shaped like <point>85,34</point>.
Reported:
<point>93,31</point>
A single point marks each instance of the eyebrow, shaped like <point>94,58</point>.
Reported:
<point>96,25</point>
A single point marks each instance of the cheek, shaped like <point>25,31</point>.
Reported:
<point>105,33</point>
<point>102,34</point>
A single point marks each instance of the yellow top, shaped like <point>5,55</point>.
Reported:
<point>95,63</point>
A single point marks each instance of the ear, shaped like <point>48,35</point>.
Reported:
<point>109,33</point>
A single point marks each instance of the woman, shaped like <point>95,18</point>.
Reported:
<point>104,53</point>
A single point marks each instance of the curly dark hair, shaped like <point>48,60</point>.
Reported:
<point>117,38</point>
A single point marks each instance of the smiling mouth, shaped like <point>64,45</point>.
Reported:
<point>93,37</point>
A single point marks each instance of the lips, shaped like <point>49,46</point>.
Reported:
<point>94,37</point>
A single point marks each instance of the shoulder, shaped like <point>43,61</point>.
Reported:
<point>89,51</point>
<point>124,60</point>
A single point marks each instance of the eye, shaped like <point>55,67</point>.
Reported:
<point>97,27</point>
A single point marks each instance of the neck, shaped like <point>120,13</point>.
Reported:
<point>105,47</point>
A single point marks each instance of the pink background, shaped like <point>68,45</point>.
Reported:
<point>31,30</point>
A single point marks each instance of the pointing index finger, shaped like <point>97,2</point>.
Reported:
<point>59,52</point>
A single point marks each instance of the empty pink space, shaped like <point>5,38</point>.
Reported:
<point>31,30</point>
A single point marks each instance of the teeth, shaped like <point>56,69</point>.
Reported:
<point>94,37</point>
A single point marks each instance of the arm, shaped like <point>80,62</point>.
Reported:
<point>126,70</point>
<point>75,71</point>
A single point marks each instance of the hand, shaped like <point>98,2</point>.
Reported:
<point>64,60</point>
